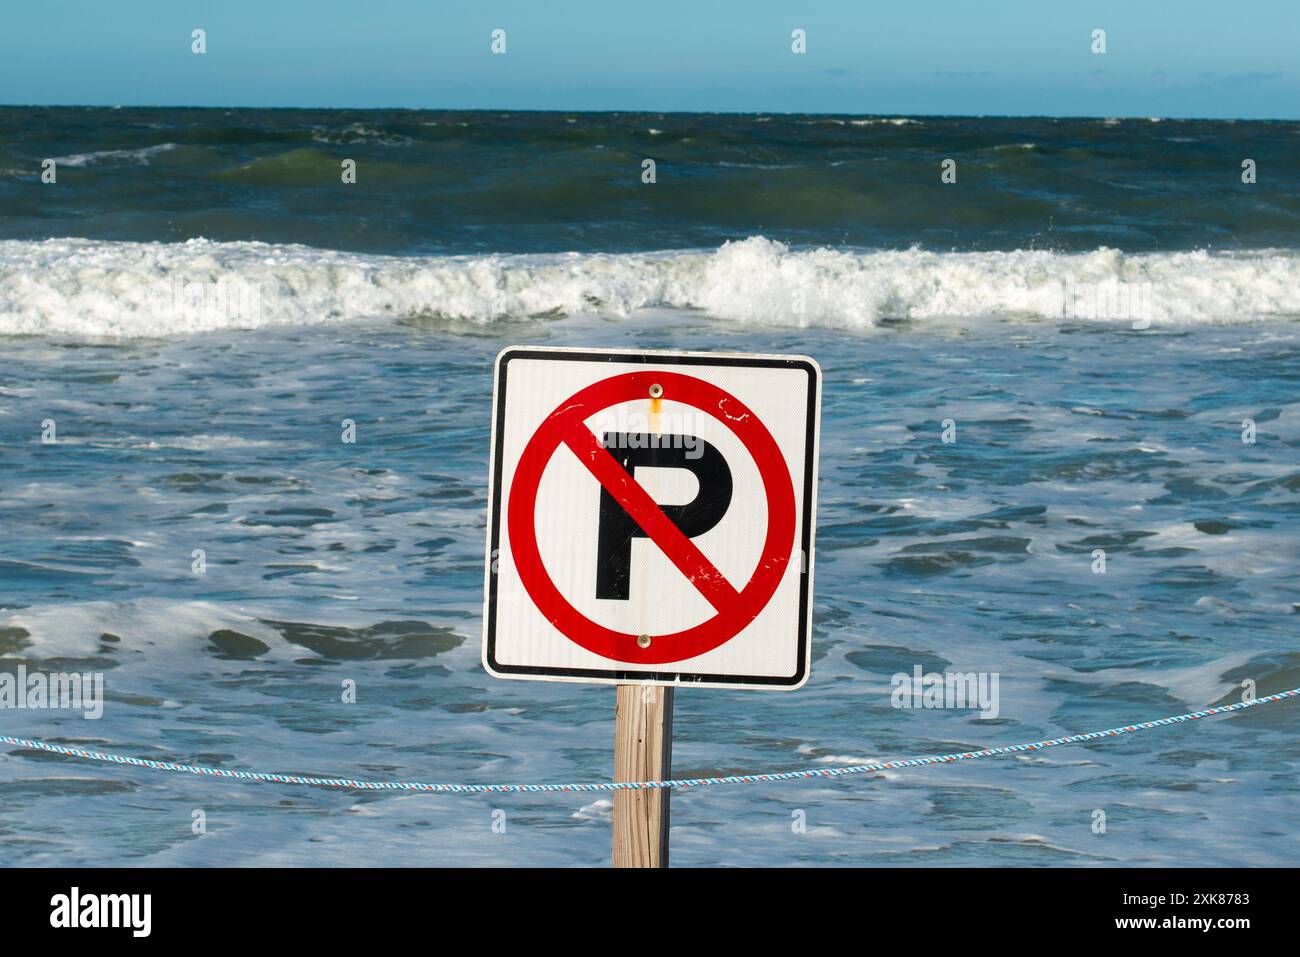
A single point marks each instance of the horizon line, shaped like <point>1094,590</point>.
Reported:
<point>481,109</point>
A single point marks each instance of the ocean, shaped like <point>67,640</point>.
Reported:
<point>1087,343</point>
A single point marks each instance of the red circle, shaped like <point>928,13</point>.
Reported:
<point>777,546</point>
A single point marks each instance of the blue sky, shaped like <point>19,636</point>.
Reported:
<point>1001,57</point>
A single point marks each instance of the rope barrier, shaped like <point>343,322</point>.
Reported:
<point>348,784</point>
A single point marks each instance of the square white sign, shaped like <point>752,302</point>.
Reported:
<point>651,517</point>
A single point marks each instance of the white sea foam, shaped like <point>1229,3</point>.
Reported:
<point>359,133</point>
<point>78,287</point>
<point>890,120</point>
<point>140,156</point>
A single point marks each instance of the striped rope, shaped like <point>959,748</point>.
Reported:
<point>634,785</point>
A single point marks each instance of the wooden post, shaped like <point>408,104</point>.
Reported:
<point>643,751</point>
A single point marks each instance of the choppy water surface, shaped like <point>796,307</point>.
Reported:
<point>328,561</point>
<point>474,182</point>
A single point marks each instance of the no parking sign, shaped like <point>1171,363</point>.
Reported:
<point>651,517</point>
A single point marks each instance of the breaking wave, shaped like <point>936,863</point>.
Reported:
<point>79,287</point>
<point>99,157</point>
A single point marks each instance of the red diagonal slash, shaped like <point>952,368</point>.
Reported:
<point>643,510</point>
<point>565,426</point>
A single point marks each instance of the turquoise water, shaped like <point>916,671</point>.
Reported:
<point>219,429</point>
